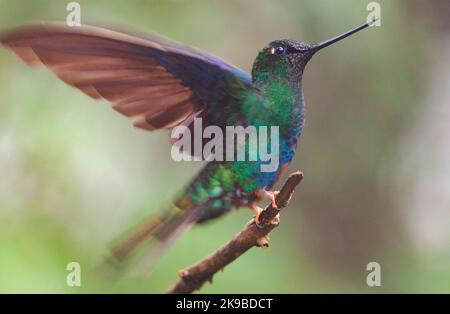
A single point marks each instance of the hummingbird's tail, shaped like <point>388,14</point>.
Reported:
<point>159,232</point>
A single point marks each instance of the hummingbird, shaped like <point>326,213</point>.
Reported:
<point>161,84</point>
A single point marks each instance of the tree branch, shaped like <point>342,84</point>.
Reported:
<point>193,277</point>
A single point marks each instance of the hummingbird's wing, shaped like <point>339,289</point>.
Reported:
<point>158,83</point>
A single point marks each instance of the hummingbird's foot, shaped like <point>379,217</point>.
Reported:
<point>257,211</point>
<point>272,195</point>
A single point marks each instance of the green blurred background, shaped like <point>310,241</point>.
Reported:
<point>375,152</point>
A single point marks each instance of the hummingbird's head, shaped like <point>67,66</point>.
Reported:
<point>282,57</point>
<point>288,58</point>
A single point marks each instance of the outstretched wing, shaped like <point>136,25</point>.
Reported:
<point>157,82</point>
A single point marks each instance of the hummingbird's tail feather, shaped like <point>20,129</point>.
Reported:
<point>159,232</point>
<point>122,250</point>
<point>166,236</point>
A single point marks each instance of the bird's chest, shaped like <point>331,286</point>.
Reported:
<point>250,176</point>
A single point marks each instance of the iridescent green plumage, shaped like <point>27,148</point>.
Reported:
<point>280,103</point>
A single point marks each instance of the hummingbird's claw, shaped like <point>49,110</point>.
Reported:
<point>257,211</point>
<point>272,195</point>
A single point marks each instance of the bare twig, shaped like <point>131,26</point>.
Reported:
<point>193,277</point>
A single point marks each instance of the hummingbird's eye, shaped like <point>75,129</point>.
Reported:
<point>278,50</point>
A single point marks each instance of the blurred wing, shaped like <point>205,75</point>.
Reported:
<point>157,82</point>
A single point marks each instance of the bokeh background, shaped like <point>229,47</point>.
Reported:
<point>375,152</point>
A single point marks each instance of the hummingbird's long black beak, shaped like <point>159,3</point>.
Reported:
<point>319,46</point>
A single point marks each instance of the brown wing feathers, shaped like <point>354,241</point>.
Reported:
<point>109,65</point>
